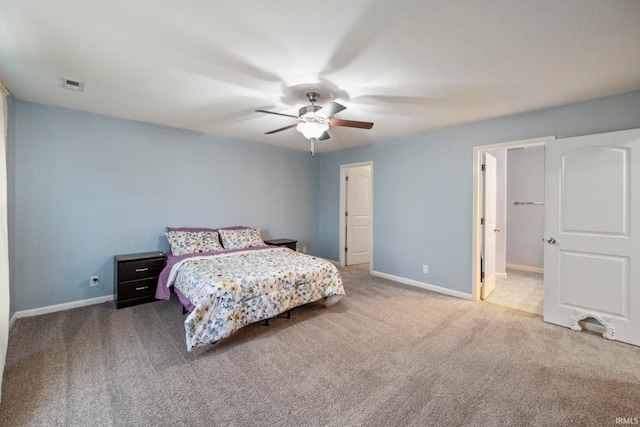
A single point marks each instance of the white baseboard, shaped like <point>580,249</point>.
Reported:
<point>12,320</point>
<point>526,268</point>
<point>423,285</point>
<point>501,275</point>
<point>58,307</point>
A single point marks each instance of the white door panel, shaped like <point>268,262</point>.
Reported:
<point>595,196</point>
<point>359,240</point>
<point>592,265</point>
<point>582,276</point>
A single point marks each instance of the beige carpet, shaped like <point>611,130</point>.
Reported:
<point>386,355</point>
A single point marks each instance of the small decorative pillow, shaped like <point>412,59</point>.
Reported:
<point>189,242</point>
<point>238,239</point>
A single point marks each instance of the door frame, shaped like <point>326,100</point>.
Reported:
<point>343,204</point>
<point>478,201</point>
<point>490,209</point>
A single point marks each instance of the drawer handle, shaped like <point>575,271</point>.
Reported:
<point>140,270</point>
<point>142,287</point>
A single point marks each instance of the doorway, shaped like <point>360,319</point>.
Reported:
<point>518,203</point>
<point>479,234</point>
<point>356,214</point>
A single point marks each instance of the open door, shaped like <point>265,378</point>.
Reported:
<point>358,215</point>
<point>490,226</point>
<point>592,234</point>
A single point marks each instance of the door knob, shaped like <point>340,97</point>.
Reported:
<point>551,240</point>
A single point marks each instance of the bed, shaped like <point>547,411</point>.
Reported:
<point>228,278</point>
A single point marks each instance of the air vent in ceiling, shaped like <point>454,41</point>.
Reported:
<point>72,85</point>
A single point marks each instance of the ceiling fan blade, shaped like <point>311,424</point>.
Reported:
<point>330,109</point>
<point>277,114</point>
<point>324,136</point>
<point>351,123</point>
<point>281,129</point>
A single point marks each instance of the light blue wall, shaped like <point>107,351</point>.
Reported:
<point>88,187</point>
<point>423,186</point>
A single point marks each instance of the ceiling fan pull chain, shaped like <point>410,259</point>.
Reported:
<point>313,147</point>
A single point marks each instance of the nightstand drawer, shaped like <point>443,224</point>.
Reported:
<point>139,269</point>
<point>137,289</point>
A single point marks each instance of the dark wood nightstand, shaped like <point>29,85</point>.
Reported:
<point>291,244</point>
<point>137,277</point>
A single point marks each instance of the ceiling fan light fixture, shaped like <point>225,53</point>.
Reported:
<point>312,129</point>
<point>314,121</point>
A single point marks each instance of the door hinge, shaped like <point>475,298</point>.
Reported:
<point>481,221</point>
<point>345,249</point>
<point>482,276</point>
<point>346,214</point>
<point>483,166</point>
<point>346,178</point>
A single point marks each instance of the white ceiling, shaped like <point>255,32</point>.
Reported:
<point>408,65</point>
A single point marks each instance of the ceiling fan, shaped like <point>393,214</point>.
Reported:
<point>314,121</point>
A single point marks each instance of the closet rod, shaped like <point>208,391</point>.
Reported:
<point>528,203</point>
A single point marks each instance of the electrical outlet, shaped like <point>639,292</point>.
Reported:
<point>94,281</point>
<point>425,269</point>
<point>304,249</point>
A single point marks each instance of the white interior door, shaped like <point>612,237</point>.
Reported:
<point>490,225</point>
<point>592,227</point>
<point>358,215</point>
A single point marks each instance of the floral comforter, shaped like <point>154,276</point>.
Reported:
<point>232,290</point>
